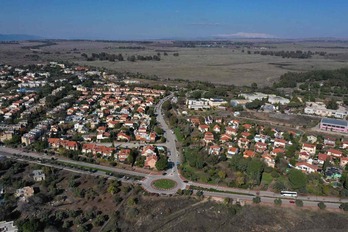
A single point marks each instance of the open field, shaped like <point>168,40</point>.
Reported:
<point>223,64</point>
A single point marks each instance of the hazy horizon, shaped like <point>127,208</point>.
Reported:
<point>149,20</point>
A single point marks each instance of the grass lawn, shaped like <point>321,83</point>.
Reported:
<point>267,178</point>
<point>178,134</point>
<point>164,184</point>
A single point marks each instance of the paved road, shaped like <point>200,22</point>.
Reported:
<point>10,151</point>
<point>173,174</point>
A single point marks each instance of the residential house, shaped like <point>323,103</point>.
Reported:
<point>304,156</point>
<point>243,143</point>
<point>310,148</point>
<point>38,175</point>
<point>247,127</point>
<point>214,150</point>
<point>148,150</point>
<point>343,161</point>
<point>232,151</point>
<point>123,137</point>
<point>329,142</point>
<point>150,161</point>
<point>24,193</point>
<point>217,129</point>
<point>345,144</point>
<point>323,157</point>
<point>123,154</point>
<point>268,160</point>
<point>277,151</point>
<point>280,143</point>
<point>225,138</point>
<point>335,153</point>
<point>306,167</point>
<point>260,147</point>
<point>203,128</point>
<point>245,134</point>
<point>231,131</point>
<point>208,137</point>
<point>248,154</point>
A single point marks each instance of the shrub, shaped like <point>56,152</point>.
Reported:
<point>256,200</point>
<point>299,203</point>
<point>344,206</point>
<point>321,205</point>
<point>278,201</point>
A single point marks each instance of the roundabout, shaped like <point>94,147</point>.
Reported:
<point>164,184</point>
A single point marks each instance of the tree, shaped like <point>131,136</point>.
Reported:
<point>278,201</point>
<point>321,205</point>
<point>299,203</point>
<point>344,206</point>
<point>332,104</point>
<point>253,86</point>
<point>257,200</point>
<point>162,163</point>
<point>255,169</point>
<point>298,179</point>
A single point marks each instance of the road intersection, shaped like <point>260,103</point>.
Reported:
<point>174,174</point>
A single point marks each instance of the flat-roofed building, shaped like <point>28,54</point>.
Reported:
<point>336,125</point>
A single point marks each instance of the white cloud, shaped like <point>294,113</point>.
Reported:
<point>247,35</point>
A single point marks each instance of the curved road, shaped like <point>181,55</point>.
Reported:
<point>173,174</point>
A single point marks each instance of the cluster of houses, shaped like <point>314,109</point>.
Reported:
<point>150,152</point>
<point>114,109</point>
<point>230,137</point>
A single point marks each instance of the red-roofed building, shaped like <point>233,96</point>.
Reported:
<point>280,143</point>
<point>310,148</point>
<point>343,161</point>
<point>232,151</point>
<point>203,128</point>
<point>248,153</point>
<point>245,134</point>
<point>123,137</point>
<point>216,129</point>
<point>123,155</point>
<point>150,161</point>
<point>304,156</point>
<point>231,131</point>
<point>247,126</point>
<point>260,147</point>
<point>208,137</point>
<point>335,153</point>
<point>225,138</point>
<point>323,157</point>
<point>277,151</point>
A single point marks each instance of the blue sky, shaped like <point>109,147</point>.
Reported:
<point>156,19</point>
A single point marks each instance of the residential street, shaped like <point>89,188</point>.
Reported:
<point>173,174</point>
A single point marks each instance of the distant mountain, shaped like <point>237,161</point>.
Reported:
<point>17,37</point>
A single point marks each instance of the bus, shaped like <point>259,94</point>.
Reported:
<point>288,194</point>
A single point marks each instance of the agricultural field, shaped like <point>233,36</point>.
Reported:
<point>233,64</point>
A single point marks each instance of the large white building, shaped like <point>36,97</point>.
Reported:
<point>204,103</point>
<point>272,98</point>
<point>319,108</point>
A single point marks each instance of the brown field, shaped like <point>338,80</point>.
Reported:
<point>227,65</point>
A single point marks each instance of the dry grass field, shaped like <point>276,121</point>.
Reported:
<point>227,65</point>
